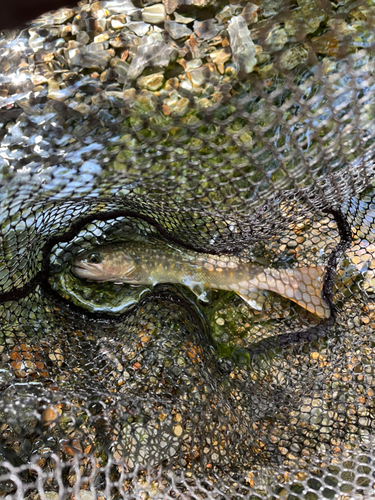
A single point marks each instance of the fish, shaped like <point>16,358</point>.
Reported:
<point>151,263</point>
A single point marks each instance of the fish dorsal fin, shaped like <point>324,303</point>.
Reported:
<point>254,299</point>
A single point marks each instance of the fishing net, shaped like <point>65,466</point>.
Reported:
<point>243,130</point>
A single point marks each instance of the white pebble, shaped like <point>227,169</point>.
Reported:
<point>154,14</point>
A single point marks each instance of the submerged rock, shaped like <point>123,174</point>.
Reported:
<point>307,18</point>
<point>220,57</point>
<point>176,104</point>
<point>202,75</point>
<point>276,39</point>
<point>242,46</point>
<point>171,5</point>
<point>151,82</point>
<point>206,30</point>
<point>120,7</point>
<point>193,64</point>
<point>83,38</point>
<point>250,13</point>
<point>228,12</point>
<point>154,14</point>
<point>122,69</point>
<point>36,41</point>
<point>117,24</point>
<point>153,52</point>
<point>58,17</point>
<point>201,3</point>
<point>336,39</point>
<point>139,28</point>
<point>294,56</point>
<point>177,30</point>
<point>182,19</point>
<point>272,7</point>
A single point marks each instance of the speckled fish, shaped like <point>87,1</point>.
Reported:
<point>146,263</point>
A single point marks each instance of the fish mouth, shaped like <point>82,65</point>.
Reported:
<point>82,271</point>
<point>77,266</point>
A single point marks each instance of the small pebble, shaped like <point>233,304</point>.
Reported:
<point>151,82</point>
<point>177,430</point>
<point>154,14</point>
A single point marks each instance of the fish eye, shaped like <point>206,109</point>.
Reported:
<point>94,258</point>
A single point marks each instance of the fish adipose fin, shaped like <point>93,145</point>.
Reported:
<point>303,286</point>
<point>254,299</point>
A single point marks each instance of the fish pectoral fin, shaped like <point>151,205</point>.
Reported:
<point>131,273</point>
<point>200,291</point>
<point>254,299</point>
<point>204,296</point>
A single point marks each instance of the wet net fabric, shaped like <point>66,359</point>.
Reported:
<point>241,130</point>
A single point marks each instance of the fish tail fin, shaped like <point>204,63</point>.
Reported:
<point>301,285</point>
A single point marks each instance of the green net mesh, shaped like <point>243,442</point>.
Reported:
<point>228,133</point>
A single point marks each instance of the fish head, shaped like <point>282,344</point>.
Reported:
<point>105,264</point>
